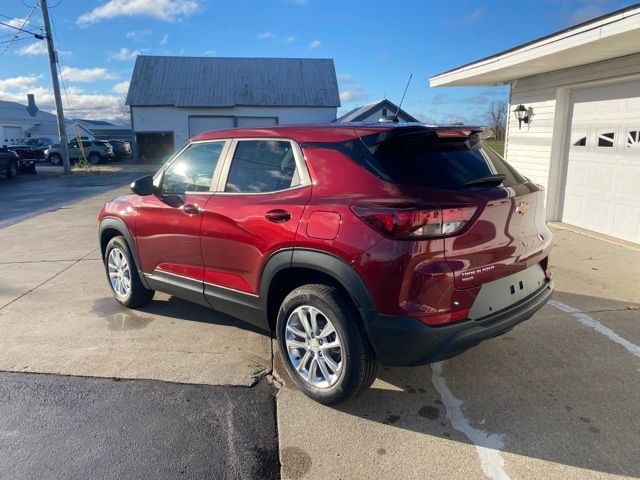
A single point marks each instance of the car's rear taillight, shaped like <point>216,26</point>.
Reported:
<point>415,222</point>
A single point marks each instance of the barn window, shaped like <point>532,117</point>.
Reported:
<point>633,139</point>
<point>581,142</point>
<point>606,139</point>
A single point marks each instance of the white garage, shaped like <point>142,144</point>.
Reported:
<point>579,130</point>
<point>174,98</point>
<point>602,191</point>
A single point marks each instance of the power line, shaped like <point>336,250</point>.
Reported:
<point>22,29</point>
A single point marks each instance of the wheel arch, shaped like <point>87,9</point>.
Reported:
<point>111,227</point>
<point>291,268</point>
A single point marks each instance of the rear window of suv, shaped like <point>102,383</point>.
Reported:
<point>420,156</point>
<point>425,159</point>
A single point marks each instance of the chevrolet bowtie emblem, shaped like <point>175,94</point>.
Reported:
<point>522,208</point>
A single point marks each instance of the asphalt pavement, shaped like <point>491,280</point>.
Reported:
<point>60,427</point>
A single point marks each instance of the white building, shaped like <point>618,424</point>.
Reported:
<point>372,112</point>
<point>16,119</point>
<point>175,98</point>
<point>580,89</point>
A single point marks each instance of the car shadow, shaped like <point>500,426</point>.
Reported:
<point>169,307</point>
<point>553,389</point>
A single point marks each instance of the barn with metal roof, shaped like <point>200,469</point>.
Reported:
<point>174,98</point>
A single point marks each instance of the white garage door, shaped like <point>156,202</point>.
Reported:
<point>205,124</point>
<point>11,134</point>
<point>603,175</point>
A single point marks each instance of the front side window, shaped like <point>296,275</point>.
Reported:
<point>193,169</point>
<point>260,166</point>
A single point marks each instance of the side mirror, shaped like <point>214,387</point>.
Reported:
<point>143,186</point>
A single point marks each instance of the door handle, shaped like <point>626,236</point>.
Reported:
<point>278,216</point>
<point>190,209</point>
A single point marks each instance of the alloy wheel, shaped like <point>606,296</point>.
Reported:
<point>119,272</point>
<point>314,347</point>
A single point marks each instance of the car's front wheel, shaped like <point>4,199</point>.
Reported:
<point>323,344</point>
<point>123,275</point>
<point>94,157</point>
<point>55,159</point>
<point>12,170</point>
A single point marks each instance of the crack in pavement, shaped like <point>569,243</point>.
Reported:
<point>48,280</point>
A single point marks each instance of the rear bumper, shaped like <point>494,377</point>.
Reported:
<point>407,341</point>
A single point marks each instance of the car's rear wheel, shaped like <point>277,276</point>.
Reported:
<point>12,170</point>
<point>55,159</point>
<point>123,275</point>
<point>323,345</point>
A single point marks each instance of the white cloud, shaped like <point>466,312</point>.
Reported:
<point>209,53</point>
<point>290,40</point>
<point>314,44</point>
<point>33,49</point>
<point>585,13</point>
<point>165,39</point>
<point>165,10</point>
<point>474,15</point>
<point>125,54</point>
<point>77,103</point>
<point>351,90</point>
<point>13,22</point>
<point>265,36</point>
<point>23,82</point>
<point>122,87</point>
<point>138,35</point>
<point>71,74</point>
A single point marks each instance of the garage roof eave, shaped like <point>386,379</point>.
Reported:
<point>611,36</point>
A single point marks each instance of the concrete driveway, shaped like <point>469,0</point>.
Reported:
<point>555,398</point>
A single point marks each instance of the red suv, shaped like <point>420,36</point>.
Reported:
<point>355,243</point>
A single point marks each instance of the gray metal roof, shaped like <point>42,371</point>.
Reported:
<point>229,82</point>
<point>360,113</point>
<point>17,112</point>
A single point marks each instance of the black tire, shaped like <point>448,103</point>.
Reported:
<point>137,295</point>
<point>93,158</point>
<point>12,170</point>
<point>359,363</point>
<point>55,159</point>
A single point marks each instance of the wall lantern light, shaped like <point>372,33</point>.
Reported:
<point>523,114</point>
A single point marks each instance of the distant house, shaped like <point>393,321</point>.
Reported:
<point>574,119</point>
<point>175,98</point>
<point>16,119</point>
<point>372,112</point>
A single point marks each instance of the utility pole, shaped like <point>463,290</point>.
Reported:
<point>56,86</point>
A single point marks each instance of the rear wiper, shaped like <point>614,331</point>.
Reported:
<point>496,179</point>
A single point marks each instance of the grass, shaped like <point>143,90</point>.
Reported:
<point>497,145</point>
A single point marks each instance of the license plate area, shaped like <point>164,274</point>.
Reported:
<point>499,294</point>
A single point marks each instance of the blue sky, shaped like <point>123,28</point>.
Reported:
<point>375,44</point>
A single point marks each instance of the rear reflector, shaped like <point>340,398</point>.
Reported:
<point>445,318</point>
<point>413,223</point>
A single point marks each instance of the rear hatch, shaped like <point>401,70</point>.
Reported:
<point>453,168</point>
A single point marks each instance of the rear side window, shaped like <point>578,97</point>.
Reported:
<point>260,166</point>
<point>426,160</point>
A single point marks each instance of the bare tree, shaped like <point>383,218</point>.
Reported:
<point>497,118</point>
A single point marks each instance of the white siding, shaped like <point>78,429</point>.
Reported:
<point>529,148</point>
<point>173,119</point>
